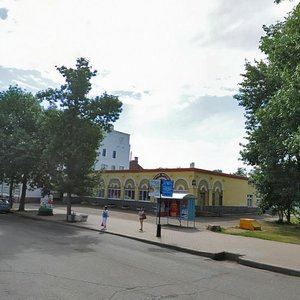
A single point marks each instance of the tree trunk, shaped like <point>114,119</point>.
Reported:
<point>11,187</point>
<point>69,207</point>
<point>23,194</point>
<point>288,216</point>
<point>280,216</point>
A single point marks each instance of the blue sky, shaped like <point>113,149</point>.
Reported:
<point>175,64</point>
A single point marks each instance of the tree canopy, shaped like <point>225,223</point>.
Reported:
<point>270,95</point>
<point>78,128</point>
<point>55,147</point>
<point>240,172</point>
<point>21,138</point>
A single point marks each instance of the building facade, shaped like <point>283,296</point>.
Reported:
<point>114,152</point>
<point>216,193</point>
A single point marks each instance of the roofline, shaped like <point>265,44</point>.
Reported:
<point>119,132</point>
<point>161,170</point>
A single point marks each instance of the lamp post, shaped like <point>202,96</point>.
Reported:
<point>165,189</point>
<point>155,190</point>
<point>158,228</point>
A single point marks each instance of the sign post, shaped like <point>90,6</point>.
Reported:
<point>158,227</point>
<point>166,189</point>
<point>155,191</point>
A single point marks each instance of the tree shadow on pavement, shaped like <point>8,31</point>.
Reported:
<point>23,234</point>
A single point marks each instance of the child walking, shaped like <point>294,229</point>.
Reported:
<point>104,217</point>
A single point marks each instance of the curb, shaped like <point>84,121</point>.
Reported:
<point>220,256</point>
<point>272,268</point>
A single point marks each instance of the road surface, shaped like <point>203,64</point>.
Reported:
<point>41,260</point>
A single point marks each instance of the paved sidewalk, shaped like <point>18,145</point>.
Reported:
<point>268,255</point>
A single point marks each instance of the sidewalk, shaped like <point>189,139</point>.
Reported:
<point>268,255</point>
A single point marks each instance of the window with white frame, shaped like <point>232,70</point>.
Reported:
<point>180,189</point>
<point>249,200</point>
<point>144,195</point>
<point>103,152</point>
<point>114,193</point>
<point>101,193</point>
<point>114,154</point>
<point>113,167</point>
<point>144,190</point>
<point>129,194</point>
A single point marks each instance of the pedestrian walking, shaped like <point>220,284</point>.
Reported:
<point>142,217</point>
<point>104,217</point>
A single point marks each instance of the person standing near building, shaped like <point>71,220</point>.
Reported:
<point>104,217</point>
<point>142,217</point>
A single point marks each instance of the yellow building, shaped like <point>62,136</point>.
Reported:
<point>216,193</point>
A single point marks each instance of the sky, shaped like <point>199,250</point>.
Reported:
<point>175,65</point>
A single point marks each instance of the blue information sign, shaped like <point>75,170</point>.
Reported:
<point>167,188</point>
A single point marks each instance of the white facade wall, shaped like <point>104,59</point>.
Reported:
<point>30,193</point>
<point>117,156</point>
<point>114,152</point>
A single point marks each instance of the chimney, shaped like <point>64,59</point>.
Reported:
<point>134,164</point>
<point>192,165</point>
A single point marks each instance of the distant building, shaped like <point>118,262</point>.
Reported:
<point>114,152</point>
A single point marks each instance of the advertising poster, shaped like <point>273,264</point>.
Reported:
<point>184,211</point>
<point>167,188</point>
<point>154,188</point>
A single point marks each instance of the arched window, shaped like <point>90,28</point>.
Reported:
<point>203,193</point>
<point>144,190</point>
<point>217,195</point>
<point>129,192</point>
<point>114,189</point>
<point>181,186</point>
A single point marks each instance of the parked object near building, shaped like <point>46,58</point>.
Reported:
<point>46,205</point>
<point>179,207</point>
<point>250,224</point>
<point>4,205</point>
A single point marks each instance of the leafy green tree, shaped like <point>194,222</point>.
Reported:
<point>270,95</point>
<point>240,172</point>
<point>77,130</point>
<point>21,118</point>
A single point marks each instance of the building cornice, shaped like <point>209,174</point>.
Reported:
<point>163,170</point>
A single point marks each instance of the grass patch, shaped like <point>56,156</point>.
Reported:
<point>287,233</point>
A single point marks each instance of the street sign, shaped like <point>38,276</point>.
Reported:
<point>167,188</point>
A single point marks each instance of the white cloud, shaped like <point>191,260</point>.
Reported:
<point>172,62</point>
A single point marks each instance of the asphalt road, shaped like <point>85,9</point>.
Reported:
<point>41,260</point>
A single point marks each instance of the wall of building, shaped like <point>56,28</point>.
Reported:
<point>235,192</point>
<point>114,152</point>
<point>214,191</point>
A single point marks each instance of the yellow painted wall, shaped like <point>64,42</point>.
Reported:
<point>234,189</point>
<point>235,192</point>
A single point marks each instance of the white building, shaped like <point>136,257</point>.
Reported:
<point>114,152</point>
